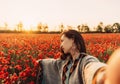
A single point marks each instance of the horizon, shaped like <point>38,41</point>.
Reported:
<point>56,12</point>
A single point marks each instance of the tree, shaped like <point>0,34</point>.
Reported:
<point>85,28</point>
<point>45,28</point>
<point>82,28</point>
<point>116,27</point>
<point>61,27</point>
<point>6,25</point>
<point>20,26</point>
<point>78,27</point>
<point>39,27</point>
<point>108,29</point>
<point>100,27</point>
<point>69,27</point>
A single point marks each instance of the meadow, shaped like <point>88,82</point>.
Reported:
<point>19,52</point>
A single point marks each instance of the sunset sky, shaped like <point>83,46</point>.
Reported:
<point>55,12</point>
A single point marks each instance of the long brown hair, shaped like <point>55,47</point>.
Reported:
<point>78,40</point>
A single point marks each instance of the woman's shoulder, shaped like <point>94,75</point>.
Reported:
<point>88,58</point>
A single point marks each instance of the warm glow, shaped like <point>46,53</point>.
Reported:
<point>27,26</point>
<point>55,12</point>
<point>27,29</point>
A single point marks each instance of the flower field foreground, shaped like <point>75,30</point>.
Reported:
<point>19,52</point>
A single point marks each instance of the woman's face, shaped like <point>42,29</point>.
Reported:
<point>66,44</point>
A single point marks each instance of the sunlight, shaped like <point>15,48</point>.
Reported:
<point>26,29</point>
<point>27,26</point>
<point>54,12</point>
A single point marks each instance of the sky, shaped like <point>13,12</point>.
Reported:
<point>56,12</point>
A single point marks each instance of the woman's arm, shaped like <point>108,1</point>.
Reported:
<point>110,74</point>
<point>99,77</point>
<point>91,67</point>
<point>113,69</point>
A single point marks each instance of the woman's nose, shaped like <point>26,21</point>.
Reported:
<point>61,46</point>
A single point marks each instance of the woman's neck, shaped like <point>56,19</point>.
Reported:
<point>75,55</point>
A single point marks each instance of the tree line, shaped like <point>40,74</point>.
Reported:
<point>100,28</point>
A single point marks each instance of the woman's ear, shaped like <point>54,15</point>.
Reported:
<point>72,40</point>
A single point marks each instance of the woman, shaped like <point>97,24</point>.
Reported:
<point>74,66</point>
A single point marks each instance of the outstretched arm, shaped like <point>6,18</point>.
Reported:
<point>99,77</point>
<point>91,68</point>
<point>113,69</point>
<point>110,74</point>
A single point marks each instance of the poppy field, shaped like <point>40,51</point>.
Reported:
<point>19,53</point>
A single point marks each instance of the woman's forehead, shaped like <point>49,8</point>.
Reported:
<point>63,37</point>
